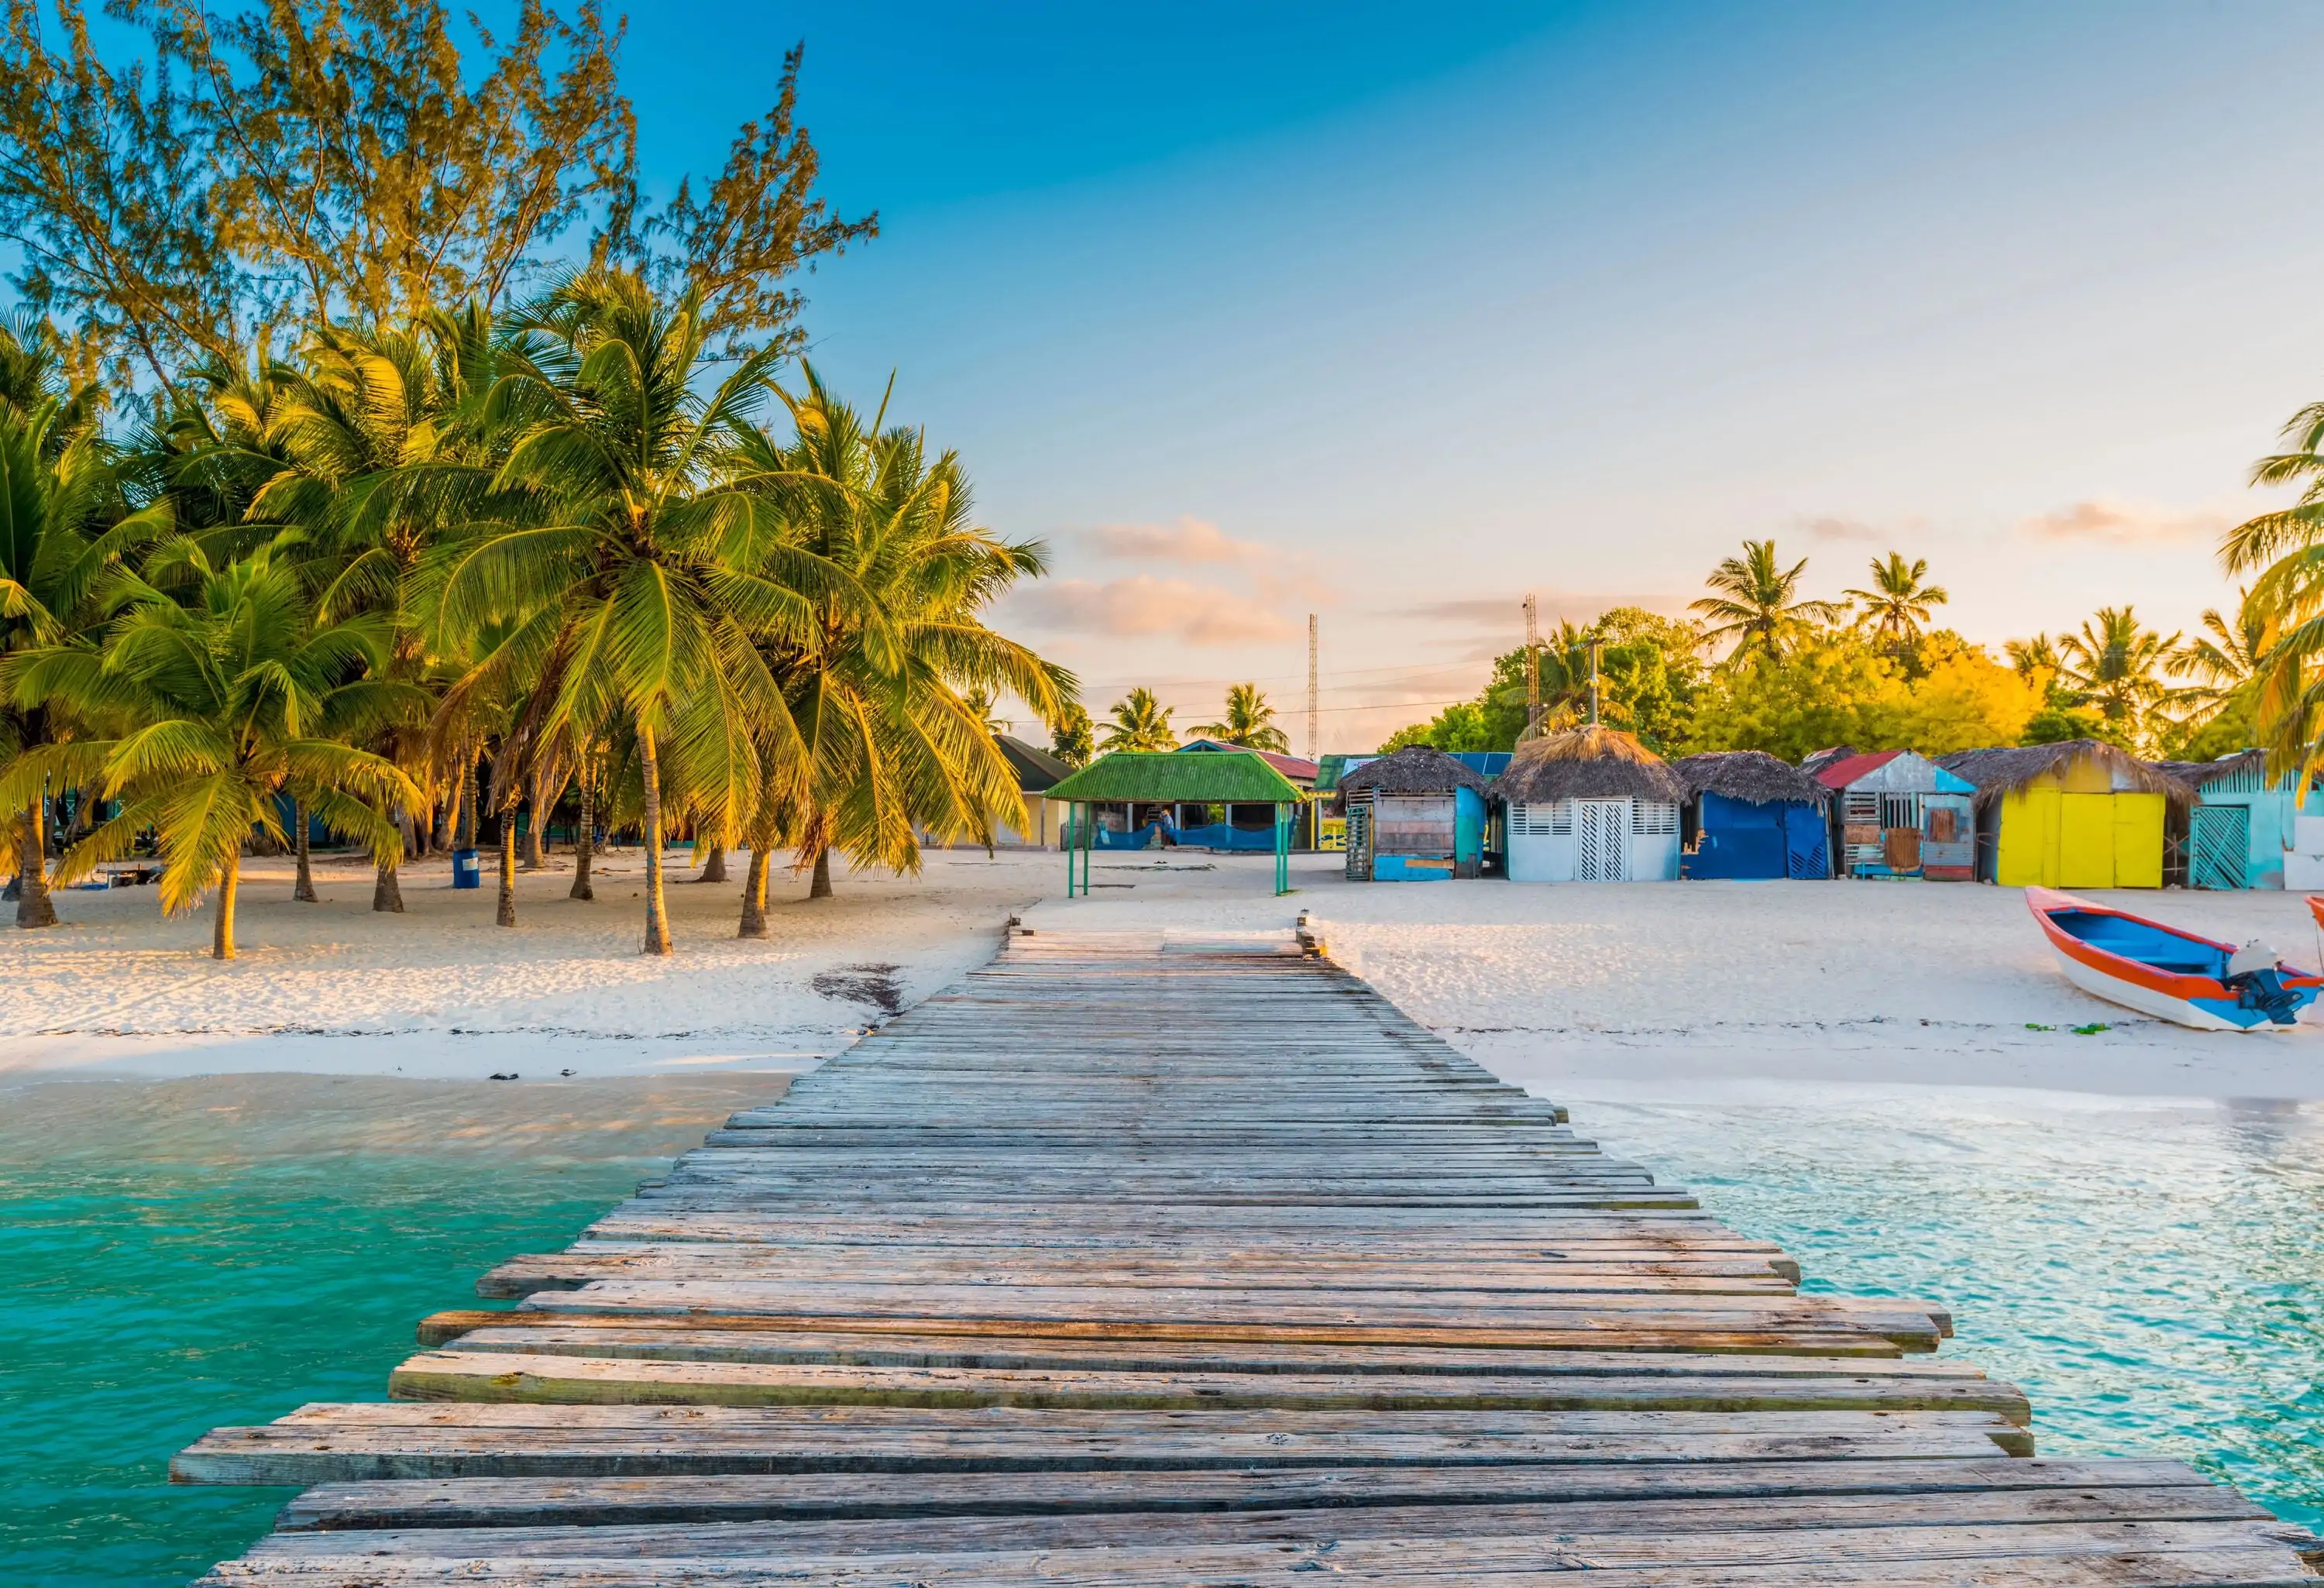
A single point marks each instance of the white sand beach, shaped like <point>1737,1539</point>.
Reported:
<point>1700,982</point>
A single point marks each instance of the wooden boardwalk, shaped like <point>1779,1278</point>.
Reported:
<point>1133,1260</point>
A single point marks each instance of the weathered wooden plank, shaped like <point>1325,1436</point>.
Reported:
<point>529,1502</point>
<point>452,1375</point>
<point>2209,1565</point>
<point>678,1340</point>
<point>403,1439</point>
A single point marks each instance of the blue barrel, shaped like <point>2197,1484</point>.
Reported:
<point>465,871</point>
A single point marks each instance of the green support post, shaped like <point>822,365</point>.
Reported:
<point>1078,823</point>
<point>1282,851</point>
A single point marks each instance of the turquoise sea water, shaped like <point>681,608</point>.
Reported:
<point>2149,1272</point>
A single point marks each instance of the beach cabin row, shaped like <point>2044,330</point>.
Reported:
<point>1594,805</point>
<point>1897,815</point>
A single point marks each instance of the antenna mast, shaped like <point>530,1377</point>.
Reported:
<point>1315,734</point>
<point>1533,668</point>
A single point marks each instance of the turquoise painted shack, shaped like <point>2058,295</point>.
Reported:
<point>1416,815</point>
<point>2241,823</point>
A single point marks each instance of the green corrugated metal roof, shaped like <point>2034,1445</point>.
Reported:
<point>1165,776</point>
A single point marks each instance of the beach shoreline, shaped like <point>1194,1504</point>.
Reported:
<point>1824,983</point>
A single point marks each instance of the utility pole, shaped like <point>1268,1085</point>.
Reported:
<point>1314,734</point>
<point>1594,643</point>
<point>1533,667</point>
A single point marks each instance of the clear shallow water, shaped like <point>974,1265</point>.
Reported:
<point>2150,1270</point>
<point>146,1304</point>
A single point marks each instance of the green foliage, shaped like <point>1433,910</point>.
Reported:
<point>211,706</point>
<point>1755,601</point>
<point>1649,672</point>
<point>1824,689</point>
<point>2055,725</point>
<point>310,162</point>
<point>1072,736</point>
<point>1249,721</point>
<point>1140,722</point>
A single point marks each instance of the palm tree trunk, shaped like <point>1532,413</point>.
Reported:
<point>584,840</point>
<point>387,892</point>
<point>821,886</point>
<point>657,938</point>
<point>34,907</point>
<point>714,870</point>
<point>221,938</point>
<point>304,892</point>
<point>536,799</point>
<point>507,916</point>
<point>755,895</point>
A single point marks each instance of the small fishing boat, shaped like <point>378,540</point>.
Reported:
<point>2170,974</point>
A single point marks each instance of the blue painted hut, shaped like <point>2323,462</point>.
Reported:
<point>1415,816</point>
<point>1751,817</point>
<point>2243,828</point>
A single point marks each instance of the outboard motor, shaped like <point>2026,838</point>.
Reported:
<point>2255,972</point>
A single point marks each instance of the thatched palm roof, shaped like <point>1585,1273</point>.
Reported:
<point>1752,776</point>
<point>1997,772</point>
<point>2197,773</point>
<point>1416,769</point>
<point>1587,763</point>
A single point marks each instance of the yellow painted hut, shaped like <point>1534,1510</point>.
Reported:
<point>2083,814</point>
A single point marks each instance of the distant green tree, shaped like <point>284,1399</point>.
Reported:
<point>1898,606</point>
<point>1825,690</point>
<point>1249,721</point>
<point>2115,665</point>
<point>1140,722</point>
<point>1755,601</point>
<point>1073,737</point>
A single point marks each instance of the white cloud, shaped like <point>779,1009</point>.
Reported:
<point>1189,541</point>
<point>1194,614</point>
<point>2122,523</point>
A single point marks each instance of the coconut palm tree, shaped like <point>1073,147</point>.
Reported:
<point>1140,722</point>
<point>221,704</point>
<point>1898,606</point>
<point>1249,721</point>
<point>2034,660</point>
<point>2115,663</point>
<point>2225,660</point>
<point>639,576</point>
<point>1757,601</point>
<point>63,522</point>
<point>891,691</point>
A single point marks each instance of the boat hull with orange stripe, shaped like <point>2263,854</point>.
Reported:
<point>2166,971</point>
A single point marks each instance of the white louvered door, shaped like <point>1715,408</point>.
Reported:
<point>1601,840</point>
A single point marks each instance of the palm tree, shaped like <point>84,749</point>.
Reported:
<point>2036,660</point>
<point>223,703</point>
<point>2113,663</point>
<point>1140,722</point>
<point>1757,601</point>
<point>1898,605</point>
<point>63,520</point>
<point>891,689</point>
<point>1249,721</point>
<point>2225,660</point>
<point>642,578</point>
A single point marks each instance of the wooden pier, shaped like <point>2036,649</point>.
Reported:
<point>1140,1259</point>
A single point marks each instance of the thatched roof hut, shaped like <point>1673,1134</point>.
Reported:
<point>1416,769</point>
<point>1751,776</point>
<point>2195,775</point>
<point>1997,772</point>
<point>1587,763</point>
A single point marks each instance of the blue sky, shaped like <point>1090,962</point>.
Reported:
<point>1393,314</point>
